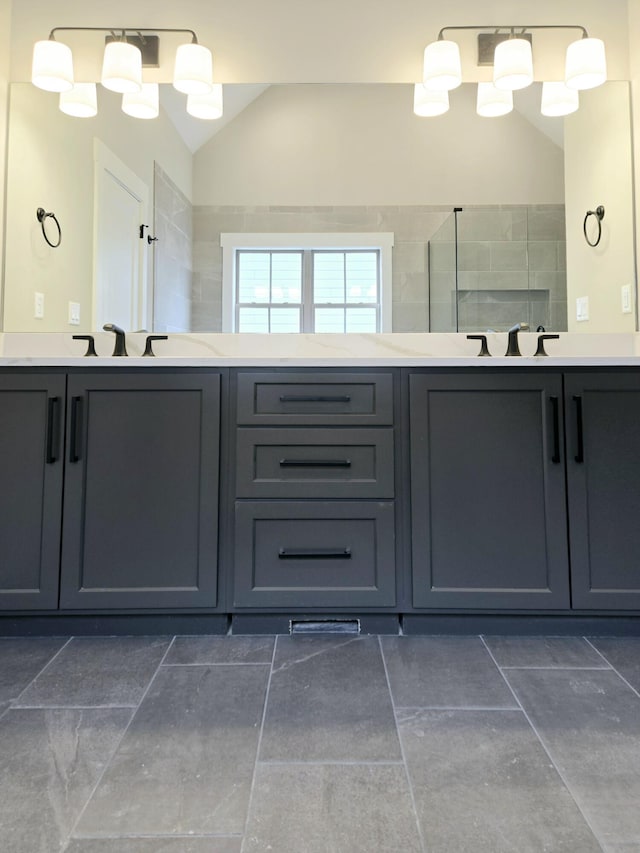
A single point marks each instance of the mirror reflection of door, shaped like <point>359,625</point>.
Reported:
<point>120,280</point>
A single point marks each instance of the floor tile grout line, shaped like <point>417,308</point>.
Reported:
<point>73,707</point>
<point>176,835</point>
<point>561,668</point>
<point>48,664</point>
<point>611,666</point>
<point>545,748</point>
<point>463,708</point>
<point>259,744</point>
<point>118,743</point>
<point>219,663</point>
<point>331,763</point>
<point>412,797</point>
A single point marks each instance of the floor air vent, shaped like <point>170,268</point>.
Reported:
<point>324,626</point>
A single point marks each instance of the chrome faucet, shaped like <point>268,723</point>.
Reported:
<point>120,347</point>
<point>512,346</point>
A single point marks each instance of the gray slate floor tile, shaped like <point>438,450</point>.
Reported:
<point>544,651</point>
<point>155,845</point>
<point>329,701</point>
<point>93,671</point>
<point>321,808</point>
<point>484,784</point>
<point>21,659</point>
<point>203,650</point>
<point>623,653</point>
<point>187,760</point>
<point>589,721</point>
<point>444,672</point>
<point>50,761</point>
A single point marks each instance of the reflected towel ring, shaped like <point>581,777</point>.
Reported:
<point>599,214</point>
<point>43,215</point>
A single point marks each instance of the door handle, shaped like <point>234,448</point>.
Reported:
<point>579,457</point>
<point>315,554</point>
<point>53,430</point>
<point>75,441</point>
<point>555,408</point>
<point>315,463</point>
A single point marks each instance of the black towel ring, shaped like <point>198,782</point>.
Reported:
<point>42,215</point>
<point>599,214</point>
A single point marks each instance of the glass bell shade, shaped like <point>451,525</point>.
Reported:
<point>207,106</point>
<point>142,104</point>
<point>513,64</point>
<point>429,102</point>
<point>558,100</point>
<point>122,67</point>
<point>52,66</point>
<point>193,71</point>
<point>442,66</point>
<point>81,101</point>
<point>492,102</point>
<point>586,64</point>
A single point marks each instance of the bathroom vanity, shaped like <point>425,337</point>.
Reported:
<point>389,487</point>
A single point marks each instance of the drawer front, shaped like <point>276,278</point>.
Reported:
<point>315,398</point>
<point>315,463</point>
<point>316,554</point>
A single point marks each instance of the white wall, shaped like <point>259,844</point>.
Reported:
<point>53,168</point>
<point>355,145</point>
<point>597,166</point>
<point>5,54</point>
<point>634,76</point>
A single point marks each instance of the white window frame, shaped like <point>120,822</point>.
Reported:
<point>381,240</point>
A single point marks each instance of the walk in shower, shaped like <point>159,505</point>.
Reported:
<point>492,267</point>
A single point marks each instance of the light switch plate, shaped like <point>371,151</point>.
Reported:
<point>74,313</point>
<point>626,298</point>
<point>582,309</point>
<point>38,305</point>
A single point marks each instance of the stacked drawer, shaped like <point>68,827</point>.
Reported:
<point>314,508</point>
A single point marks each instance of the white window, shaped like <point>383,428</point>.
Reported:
<point>306,282</point>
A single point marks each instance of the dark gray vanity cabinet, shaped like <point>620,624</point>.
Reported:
<point>314,488</point>
<point>31,434</point>
<point>141,490</point>
<point>603,478</point>
<point>488,519</point>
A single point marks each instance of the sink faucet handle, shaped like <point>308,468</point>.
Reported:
<point>484,349</point>
<point>148,350</point>
<point>512,346</point>
<point>541,340</point>
<point>91,346</point>
<point>120,347</point>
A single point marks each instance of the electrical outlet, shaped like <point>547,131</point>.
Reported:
<point>582,309</point>
<point>626,298</point>
<point>74,313</point>
<point>38,305</point>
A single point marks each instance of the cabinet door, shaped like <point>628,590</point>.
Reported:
<point>487,491</point>
<point>603,463</point>
<point>31,412</point>
<point>141,491</point>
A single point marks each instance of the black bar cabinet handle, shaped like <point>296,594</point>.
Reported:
<point>555,408</point>
<point>53,429</point>
<point>292,398</point>
<point>315,463</point>
<point>76,429</point>
<point>315,554</point>
<point>579,457</point>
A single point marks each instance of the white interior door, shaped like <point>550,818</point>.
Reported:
<point>120,255</point>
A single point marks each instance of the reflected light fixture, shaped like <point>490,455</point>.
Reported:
<point>492,102</point>
<point>81,101</point>
<point>127,52</point>
<point>207,106</point>
<point>429,102</point>
<point>558,99</point>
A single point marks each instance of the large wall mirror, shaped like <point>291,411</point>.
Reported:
<point>155,196</point>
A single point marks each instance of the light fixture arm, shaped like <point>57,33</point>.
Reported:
<point>124,30</point>
<point>514,27</point>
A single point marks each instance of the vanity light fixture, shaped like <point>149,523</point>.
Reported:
<point>81,101</point>
<point>508,49</point>
<point>127,52</point>
<point>429,102</point>
<point>558,99</point>
<point>493,102</point>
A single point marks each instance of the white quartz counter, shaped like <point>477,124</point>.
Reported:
<point>392,350</point>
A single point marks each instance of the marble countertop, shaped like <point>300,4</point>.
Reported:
<point>391,350</point>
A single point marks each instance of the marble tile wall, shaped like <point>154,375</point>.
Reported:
<point>511,268</point>
<point>173,256</point>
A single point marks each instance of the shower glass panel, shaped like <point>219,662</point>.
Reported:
<point>492,267</point>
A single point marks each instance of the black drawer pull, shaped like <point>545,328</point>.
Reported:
<point>53,430</point>
<point>76,429</point>
<point>292,398</point>
<point>315,463</point>
<point>579,457</point>
<point>556,430</point>
<point>315,554</point>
